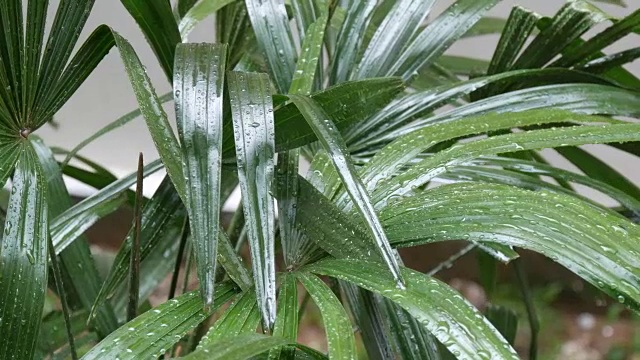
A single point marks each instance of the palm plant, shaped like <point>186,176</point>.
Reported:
<point>361,90</point>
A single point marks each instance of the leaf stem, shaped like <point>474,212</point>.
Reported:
<point>176,269</point>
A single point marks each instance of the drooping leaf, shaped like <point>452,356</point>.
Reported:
<point>198,12</point>
<point>151,108</point>
<point>10,153</point>
<point>153,333</point>
<point>198,90</point>
<point>595,243</point>
<point>450,318</point>
<point>24,257</point>
<point>340,339</point>
<point>253,129</point>
<point>159,26</point>
<point>334,145</point>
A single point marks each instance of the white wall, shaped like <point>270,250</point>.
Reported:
<point>106,95</point>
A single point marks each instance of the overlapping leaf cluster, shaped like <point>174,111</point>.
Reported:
<point>361,90</point>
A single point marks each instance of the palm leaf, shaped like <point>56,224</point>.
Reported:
<point>595,243</point>
<point>153,333</point>
<point>455,323</point>
<point>253,129</point>
<point>24,256</point>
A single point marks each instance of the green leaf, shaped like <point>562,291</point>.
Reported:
<point>154,332</point>
<point>600,41</point>
<point>253,129</point>
<point>66,227</point>
<point>232,263</point>
<point>350,39</point>
<point>334,145</point>
<point>237,348</point>
<point>198,89</point>
<point>119,122</point>
<point>233,28</point>
<point>162,219</point>
<point>10,153</point>
<point>441,310</point>
<point>200,10</point>
<point>32,52</point>
<point>158,24</point>
<point>569,23</point>
<point>307,65</point>
<point>420,106</point>
<point>595,243</point>
<point>611,62</point>
<point>12,41</point>
<point>346,104</point>
<point>410,337</point>
<point>241,317</point>
<point>424,171</point>
<point>322,222</point>
<point>23,276</point>
<point>151,108</point>
<point>383,54</point>
<point>65,31</point>
<point>76,259</point>
<point>518,28</point>
<point>90,54</point>
<point>340,339</point>
<point>369,318</point>
<point>286,325</point>
<point>441,33</point>
<point>273,34</point>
